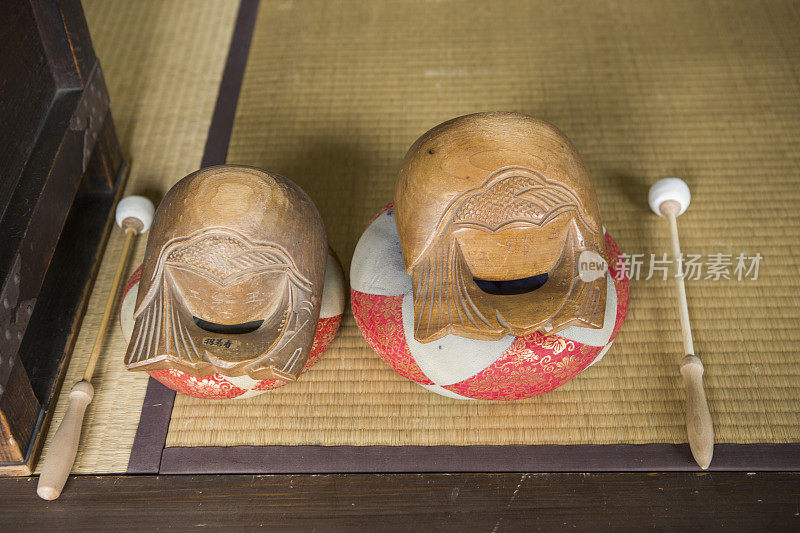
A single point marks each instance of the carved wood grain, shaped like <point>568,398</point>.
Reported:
<point>498,197</point>
<point>230,246</point>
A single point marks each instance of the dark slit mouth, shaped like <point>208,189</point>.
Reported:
<point>511,286</point>
<point>228,329</point>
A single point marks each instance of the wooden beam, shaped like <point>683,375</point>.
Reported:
<point>414,502</point>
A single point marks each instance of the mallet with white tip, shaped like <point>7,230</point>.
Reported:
<point>134,215</point>
<point>669,198</point>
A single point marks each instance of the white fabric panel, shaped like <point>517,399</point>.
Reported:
<point>249,394</point>
<point>450,359</point>
<point>377,266</point>
<point>444,392</point>
<point>245,383</point>
<point>600,355</point>
<point>596,337</point>
<point>333,290</point>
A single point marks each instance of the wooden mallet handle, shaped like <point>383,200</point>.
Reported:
<point>64,446</point>
<point>699,427</point>
<point>698,418</point>
<point>134,215</point>
<point>669,198</point>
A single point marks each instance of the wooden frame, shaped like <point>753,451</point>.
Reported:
<point>63,175</point>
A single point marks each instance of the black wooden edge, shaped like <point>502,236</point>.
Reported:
<point>151,433</point>
<point>63,298</point>
<point>219,132</point>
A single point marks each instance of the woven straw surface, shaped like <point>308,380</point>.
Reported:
<point>334,94</point>
<point>162,62</point>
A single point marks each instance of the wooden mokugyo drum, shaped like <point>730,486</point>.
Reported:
<point>491,277</point>
<point>239,293</point>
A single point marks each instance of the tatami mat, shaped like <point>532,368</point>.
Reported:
<point>162,63</point>
<point>334,94</point>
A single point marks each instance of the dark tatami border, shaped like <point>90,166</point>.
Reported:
<point>396,459</point>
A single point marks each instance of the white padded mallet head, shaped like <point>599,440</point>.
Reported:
<point>669,189</point>
<point>137,207</point>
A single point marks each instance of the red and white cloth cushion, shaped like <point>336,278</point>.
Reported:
<point>217,386</point>
<point>507,369</point>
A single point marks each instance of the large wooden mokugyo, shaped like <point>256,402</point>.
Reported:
<point>232,279</point>
<point>477,283</point>
<point>495,201</point>
<point>61,167</point>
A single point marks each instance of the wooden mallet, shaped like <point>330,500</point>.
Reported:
<point>134,215</point>
<point>669,198</point>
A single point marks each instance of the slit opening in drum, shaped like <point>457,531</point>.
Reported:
<point>512,286</point>
<point>228,329</point>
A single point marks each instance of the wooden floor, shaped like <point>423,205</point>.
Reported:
<point>727,501</point>
<point>718,501</point>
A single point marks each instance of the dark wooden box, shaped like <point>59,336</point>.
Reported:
<point>61,173</point>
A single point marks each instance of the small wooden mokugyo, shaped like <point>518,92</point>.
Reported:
<point>62,171</point>
<point>235,264</point>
